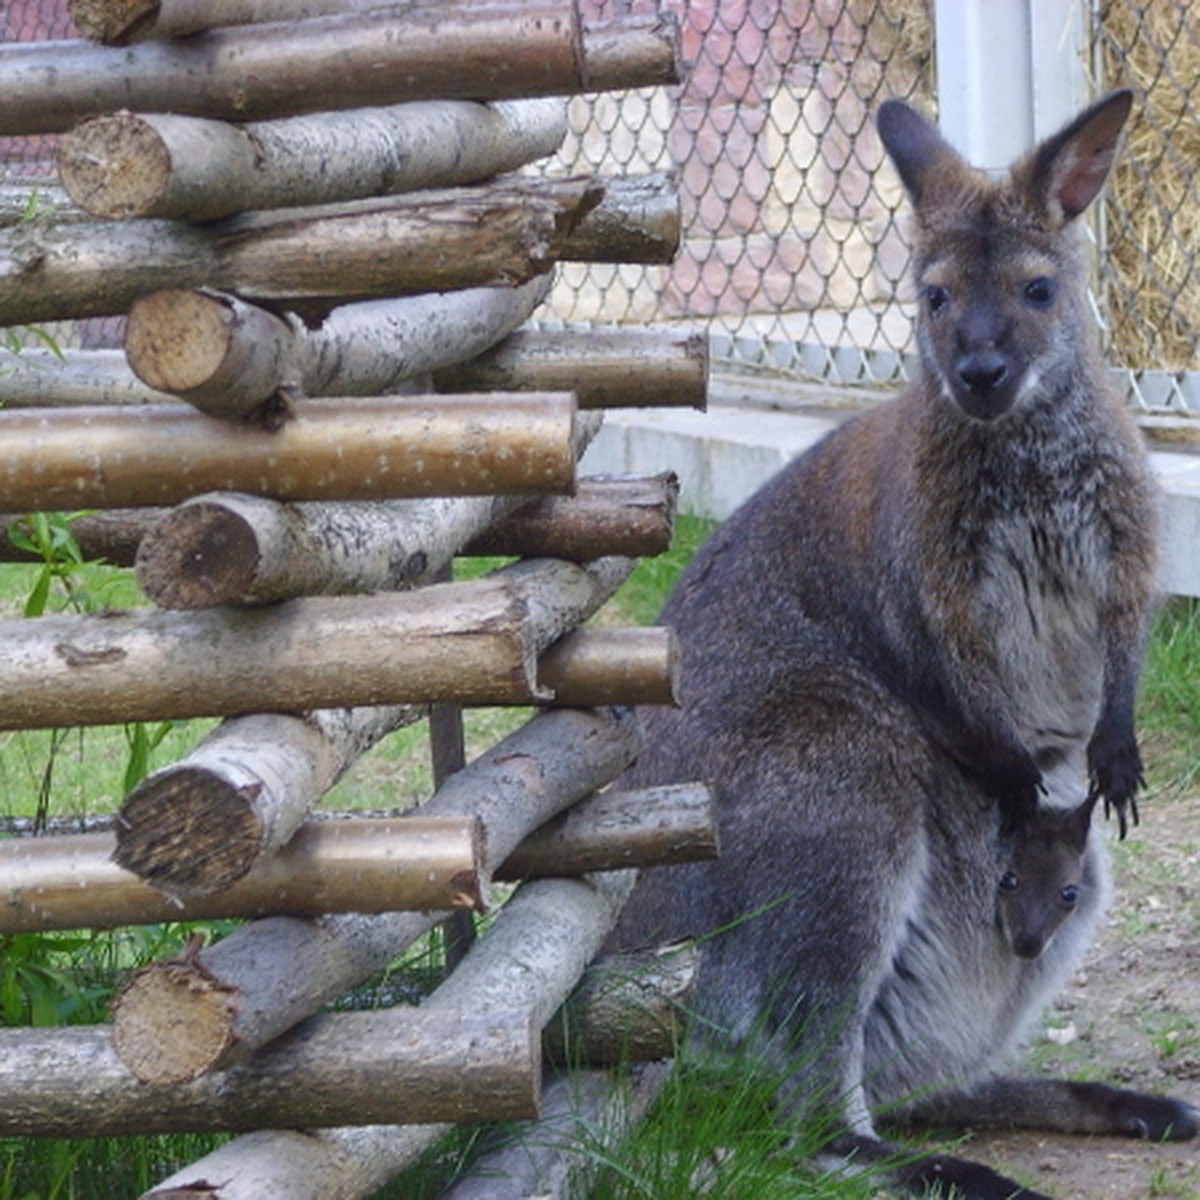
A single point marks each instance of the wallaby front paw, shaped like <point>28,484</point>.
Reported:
<point>1116,773</point>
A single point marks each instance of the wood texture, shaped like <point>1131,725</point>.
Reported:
<point>164,165</point>
<point>363,864</point>
<point>337,1069</point>
<point>361,448</point>
<point>472,642</point>
<point>605,368</point>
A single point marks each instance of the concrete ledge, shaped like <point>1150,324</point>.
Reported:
<point>723,455</point>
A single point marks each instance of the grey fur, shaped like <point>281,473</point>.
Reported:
<point>906,642</point>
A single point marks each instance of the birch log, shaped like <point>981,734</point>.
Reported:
<point>630,515</point>
<point>197,826</point>
<point>40,379</point>
<point>354,864</point>
<point>228,548</point>
<point>561,921</point>
<point>606,368</point>
<point>226,356</point>
<point>267,976</point>
<point>336,1069</point>
<point>347,449</point>
<point>355,61</point>
<point>163,165</point>
<point>361,864</point>
<point>502,233</point>
<point>472,642</point>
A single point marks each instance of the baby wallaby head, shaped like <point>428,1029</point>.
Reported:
<point>999,268</point>
<point>1045,878</point>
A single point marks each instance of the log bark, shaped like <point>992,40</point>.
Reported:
<point>267,976</point>
<point>236,549</point>
<point>163,165</point>
<point>40,379</point>
<point>616,829</point>
<point>423,52</point>
<point>366,865</point>
<point>226,356</point>
<point>585,1118</point>
<point>605,368</point>
<point>348,1163</point>
<point>347,449</point>
<point>627,1008</point>
<point>613,666</point>
<point>472,642</point>
<point>626,515</point>
<point>337,1069</point>
<point>308,260</point>
<point>359,864</point>
<point>344,1163</point>
<point>340,62</point>
<point>638,220</point>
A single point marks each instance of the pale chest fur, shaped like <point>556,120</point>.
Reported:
<point>1040,605</point>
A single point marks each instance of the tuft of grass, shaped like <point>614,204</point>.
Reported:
<point>1169,712</point>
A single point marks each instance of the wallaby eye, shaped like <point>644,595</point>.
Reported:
<point>1040,292</point>
<point>936,297</point>
<point>1070,895</point>
<point>1008,881</point>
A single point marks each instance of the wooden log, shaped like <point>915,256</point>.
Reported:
<point>638,220</point>
<point>627,1008</point>
<point>228,548</point>
<point>557,926</point>
<point>630,515</point>
<point>337,1069</point>
<point>356,865</point>
<point>163,165</point>
<point>616,829</point>
<point>421,52</point>
<point>196,827</point>
<point>496,234</point>
<point>607,368</point>
<point>585,1119</point>
<point>226,356</point>
<point>613,666</point>
<point>347,1163</point>
<point>267,976</point>
<point>40,379</point>
<point>467,641</point>
<point>348,449</point>
<point>359,864</point>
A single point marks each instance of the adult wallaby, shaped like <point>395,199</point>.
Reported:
<point>917,633</point>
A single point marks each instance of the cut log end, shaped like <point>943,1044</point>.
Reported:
<point>177,338</point>
<point>188,832</point>
<point>197,555</point>
<point>173,1022</point>
<point>114,165</point>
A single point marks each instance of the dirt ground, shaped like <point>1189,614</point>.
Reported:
<point>1131,1016</point>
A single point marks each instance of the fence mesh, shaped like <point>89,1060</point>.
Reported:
<point>794,254</point>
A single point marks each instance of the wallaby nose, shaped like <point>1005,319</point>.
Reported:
<point>1027,944</point>
<point>983,371</point>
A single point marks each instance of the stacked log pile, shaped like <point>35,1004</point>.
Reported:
<point>316,227</point>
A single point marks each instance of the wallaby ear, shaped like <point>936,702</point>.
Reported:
<point>1069,169</point>
<point>913,144</point>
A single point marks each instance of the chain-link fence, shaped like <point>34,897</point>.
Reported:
<point>795,255</point>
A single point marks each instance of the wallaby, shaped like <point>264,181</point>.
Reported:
<point>919,633</point>
<point>1049,873</point>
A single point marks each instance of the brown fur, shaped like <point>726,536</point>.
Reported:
<point>917,635</point>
